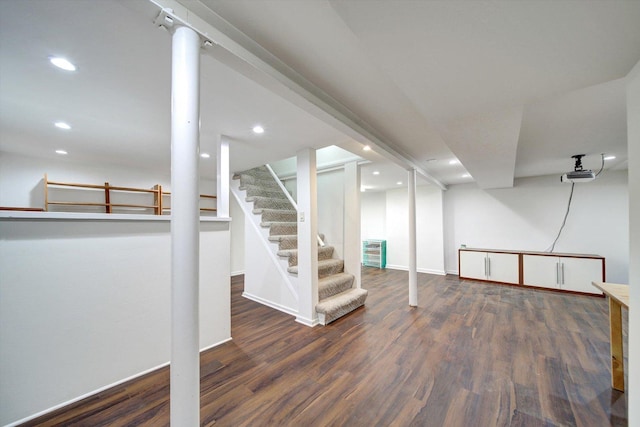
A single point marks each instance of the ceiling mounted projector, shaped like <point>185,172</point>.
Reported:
<point>578,174</point>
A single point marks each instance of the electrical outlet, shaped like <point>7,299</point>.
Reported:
<point>301,216</point>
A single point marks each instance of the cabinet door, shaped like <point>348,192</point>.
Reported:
<point>472,265</point>
<point>579,273</point>
<point>503,268</point>
<point>542,271</point>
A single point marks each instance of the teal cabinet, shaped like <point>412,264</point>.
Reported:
<point>374,253</point>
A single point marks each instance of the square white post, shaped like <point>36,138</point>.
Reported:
<point>352,244</point>
<point>413,259</point>
<point>222,177</point>
<point>307,237</point>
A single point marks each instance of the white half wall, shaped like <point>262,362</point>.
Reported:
<point>385,215</point>
<point>85,304</point>
<point>528,217</point>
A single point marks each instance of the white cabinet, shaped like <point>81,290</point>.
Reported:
<point>493,266</point>
<point>563,272</point>
<point>541,271</point>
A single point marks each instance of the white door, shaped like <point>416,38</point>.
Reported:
<point>472,265</point>
<point>542,271</point>
<point>580,272</point>
<point>503,268</point>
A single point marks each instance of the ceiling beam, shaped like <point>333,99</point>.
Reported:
<point>245,55</point>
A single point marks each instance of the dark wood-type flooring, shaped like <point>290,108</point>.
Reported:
<point>471,354</point>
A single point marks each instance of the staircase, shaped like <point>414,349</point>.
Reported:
<point>337,295</point>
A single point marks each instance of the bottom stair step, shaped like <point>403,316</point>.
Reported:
<point>334,307</point>
<point>334,284</point>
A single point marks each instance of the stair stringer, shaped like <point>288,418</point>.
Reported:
<point>281,292</point>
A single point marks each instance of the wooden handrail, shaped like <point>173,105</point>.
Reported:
<point>157,192</point>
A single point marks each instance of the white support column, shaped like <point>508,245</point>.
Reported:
<point>222,177</point>
<point>413,259</point>
<point>185,228</point>
<point>307,241</point>
<point>352,244</point>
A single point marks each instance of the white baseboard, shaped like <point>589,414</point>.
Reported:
<point>454,272</point>
<point>420,270</point>
<point>101,389</point>
<point>307,322</point>
<point>276,306</point>
<point>237,273</point>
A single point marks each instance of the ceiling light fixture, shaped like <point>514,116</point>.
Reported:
<point>62,152</point>
<point>453,162</point>
<point>399,182</point>
<point>610,157</point>
<point>62,125</point>
<point>258,129</point>
<point>376,172</point>
<point>62,63</point>
<point>205,155</point>
<point>466,175</point>
<point>366,148</point>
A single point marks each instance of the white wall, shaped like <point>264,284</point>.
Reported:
<point>263,281</point>
<point>633,134</point>
<point>385,216</point>
<point>330,207</point>
<point>85,304</point>
<point>21,178</point>
<point>528,216</point>
<point>374,215</point>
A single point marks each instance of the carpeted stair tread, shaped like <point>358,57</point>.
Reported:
<point>278,215</point>
<point>334,284</point>
<point>287,241</point>
<point>280,228</point>
<point>326,267</point>
<point>248,180</point>
<point>259,171</point>
<point>259,191</point>
<point>274,198</point>
<point>260,202</point>
<point>336,306</point>
<point>325,252</point>
<point>260,211</point>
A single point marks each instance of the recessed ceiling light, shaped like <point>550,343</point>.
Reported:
<point>376,172</point>
<point>399,182</point>
<point>63,152</point>
<point>62,125</point>
<point>453,162</point>
<point>366,148</point>
<point>466,175</point>
<point>62,63</point>
<point>610,157</point>
<point>258,129</point>
<point>205,155</point>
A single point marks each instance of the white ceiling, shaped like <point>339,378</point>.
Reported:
<point>511,89</point>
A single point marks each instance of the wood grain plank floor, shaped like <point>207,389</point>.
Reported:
<point>471,354</point>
